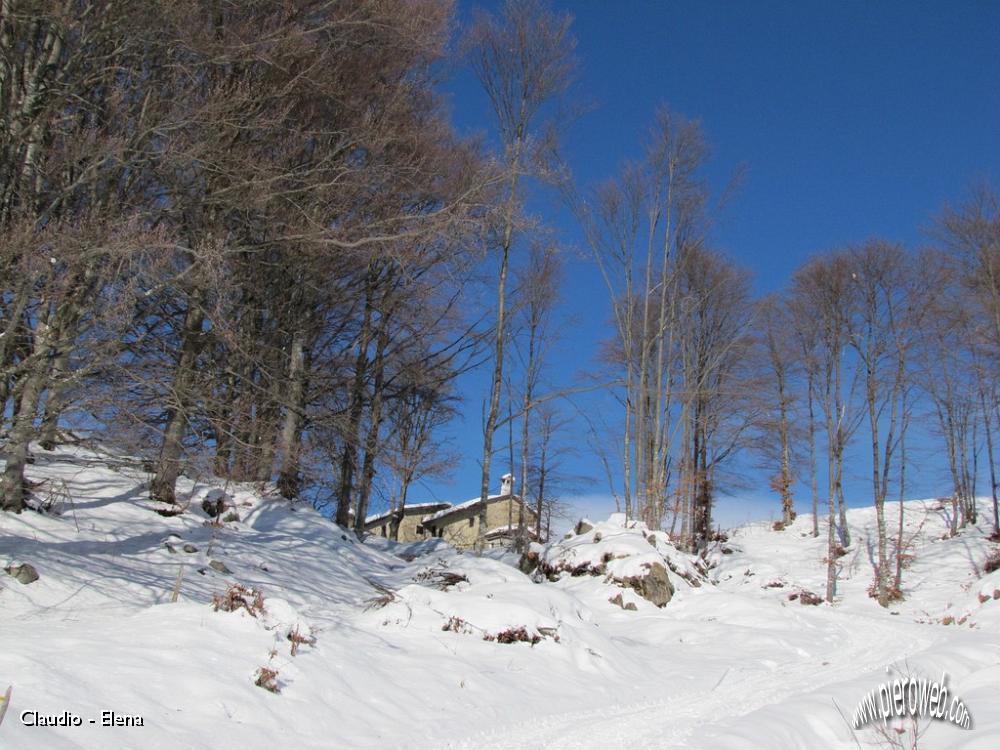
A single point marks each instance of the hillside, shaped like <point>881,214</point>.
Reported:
<point>404,645</point>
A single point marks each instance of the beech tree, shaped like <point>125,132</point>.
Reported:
<point>523,59</point>
<point>776,426</point>
<point>884,310</point>
<point>820,291</point>
<point>637,225</point>
<point>203,191</point>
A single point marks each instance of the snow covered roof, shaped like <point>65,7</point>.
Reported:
<point>461,506</point>
<point>473,503</point>
<point>406,509</point>
<point>507,530</point>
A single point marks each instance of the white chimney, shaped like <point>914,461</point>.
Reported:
<point>507,484</point>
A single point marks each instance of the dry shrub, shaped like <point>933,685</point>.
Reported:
<point>778,525</point>
<point>456,625</point>
<point>992,562</point>
<point>513,635</point>
<point>298,639</point>
<point>894,593</point>
<point>267,678</point>
<point>440,578</point>
<point>238,597</point>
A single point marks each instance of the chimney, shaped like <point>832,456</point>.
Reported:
<point>507,484</point>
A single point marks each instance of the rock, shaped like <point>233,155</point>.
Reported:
<point>528,562</point>
<point>215,503</point>
<point>190,549</point>
<point>628,606</point>
<point>23,573</point>
<point>654,586</point>
<point>582,526</point>
<point>220,567</point>
<point>805,597</point>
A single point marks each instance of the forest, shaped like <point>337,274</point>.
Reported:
<point>246,240</point>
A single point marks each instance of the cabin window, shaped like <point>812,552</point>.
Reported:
<point>472,520</point>
<point>420,530</point>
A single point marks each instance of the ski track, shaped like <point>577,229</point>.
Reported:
<point>674,722</point>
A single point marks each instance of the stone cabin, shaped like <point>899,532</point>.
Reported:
<point>410,524</point>
<point>459,524</point>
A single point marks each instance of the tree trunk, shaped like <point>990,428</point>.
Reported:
<point>357,402</point>
<point>289,481</point>
<point>12,482</point>
<point>498,354</point>
<point>163,486</point>
<point>48,433</point>
<point>988,428</point>
<point>813,473</point>
<point>374,427</point>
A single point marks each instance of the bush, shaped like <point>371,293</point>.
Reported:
<point>238,597</point>
<point>267,678</point>
<point>895,595</point>
<point>456,625</point>
<point>298,639</point>
<point>992,562</point>
<point>513,635</point>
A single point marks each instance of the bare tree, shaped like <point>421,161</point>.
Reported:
<point>883,317</point>
<point>780,356</point>
<point>523,60</point>
<point>820,291</point>
<point>537,293</point>
<point>637,225</point>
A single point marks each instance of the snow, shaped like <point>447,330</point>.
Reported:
<point>408,647</point>
<point>461,506</point>
<point>409,506</point>
<point>622,550</point>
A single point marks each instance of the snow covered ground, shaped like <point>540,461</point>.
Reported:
<point>409,648</point>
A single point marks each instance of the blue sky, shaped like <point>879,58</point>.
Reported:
<point>851,120</point>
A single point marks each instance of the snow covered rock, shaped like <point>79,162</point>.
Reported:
<point>24,573</point>
<point>653,585</point>
<point>625,552</point>
<point>216,502</point>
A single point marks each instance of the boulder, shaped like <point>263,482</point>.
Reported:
<point>528,562</point>
<point>215,503</point>
<point>23,573</point>
<point>653,586</point>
